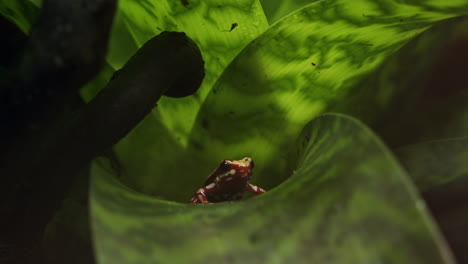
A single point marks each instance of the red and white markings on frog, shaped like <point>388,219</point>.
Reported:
<point>228,182</point>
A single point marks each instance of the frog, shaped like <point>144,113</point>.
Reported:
<point>228,182</point>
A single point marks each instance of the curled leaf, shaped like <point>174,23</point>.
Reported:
<point>348,202</point>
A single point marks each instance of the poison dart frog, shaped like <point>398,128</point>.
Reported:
<point>228,182</point>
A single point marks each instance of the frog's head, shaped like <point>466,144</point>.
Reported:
<point>235,169</point>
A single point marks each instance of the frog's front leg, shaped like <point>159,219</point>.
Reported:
<point>200,194</point>
<point>254,189</point>
<point>194,200</point>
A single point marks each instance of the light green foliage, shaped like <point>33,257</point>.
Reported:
<point>425,83</point>
<point>271,89</point>
<point>209,24</point>
<point>21,12</point>
<point>275,10</point>
<point>348,202</point>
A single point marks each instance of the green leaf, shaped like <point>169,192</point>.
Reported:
<point>348,202</point>
<point>427,81</point>
<point>310,62</point>
<point>21,12</point>
<point>275,10</point>
<point>209,24</point>
<point>434,163</point>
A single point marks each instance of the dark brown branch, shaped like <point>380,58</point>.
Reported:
<point>47,166</point>
<point>66,49</point>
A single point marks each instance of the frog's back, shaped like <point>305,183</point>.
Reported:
<point>211,179</point>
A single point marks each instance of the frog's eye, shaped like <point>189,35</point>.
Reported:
<point>252,164</point>
<point>225,166</point>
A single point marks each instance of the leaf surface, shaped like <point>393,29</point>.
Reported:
<point>348,202</point>
<point>21,12</point>
<point>275,10</point>
<point>435,163</point>
<point>427,80</point>
<point>312,61</point>
<point>210,25</point>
